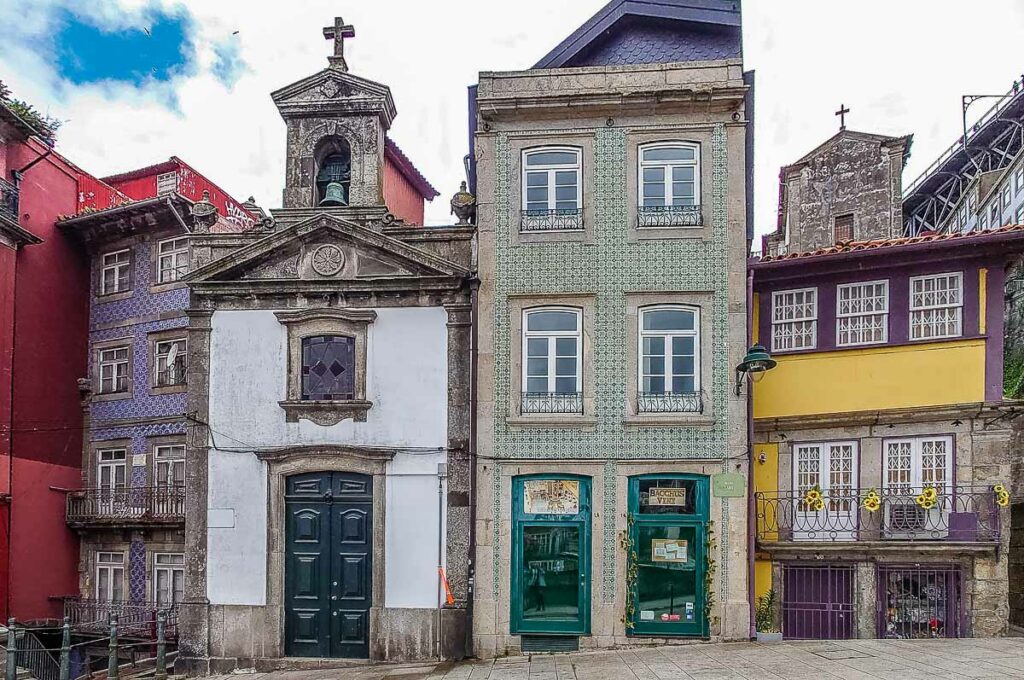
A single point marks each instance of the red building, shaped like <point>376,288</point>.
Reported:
<point>44,302</point>
<point>405,188</point>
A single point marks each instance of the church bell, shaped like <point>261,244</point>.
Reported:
<point>334,194</point>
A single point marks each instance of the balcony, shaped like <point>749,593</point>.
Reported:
<point>134,619</point>
<point>8,202</point>
<point>127,507</point>
<point>669,402</point>
<point>961,515</point>
<point>669,216</point>
<point>551,402</point>
<point>551,220</point>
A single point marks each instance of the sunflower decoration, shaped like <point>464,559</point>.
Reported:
<point>872,501</point>
<point>927,498</point>
<point>1002,495</point>
<point>814,500</point>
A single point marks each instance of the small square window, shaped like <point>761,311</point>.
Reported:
<point>862,313</point>
<point>843,228</point>
<point>328,368</point>
<point>171,358</point>
<point>115,274</point>
<point>173,260</point>
<point>166,183</point>
<point>794,319</point>
<point>936,306</point>
<point>114,369</point>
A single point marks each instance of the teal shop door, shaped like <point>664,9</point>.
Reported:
<point>550,555</point>
<point>668,517</point>
<point>328,564</point>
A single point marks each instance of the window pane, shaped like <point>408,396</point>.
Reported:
<point>652,190</point>
<point>567,384</point>
<point>669,153</point>
<point>567,193</point>
<point>654,175</point>
<point>654,345</point>
<point>668,320</point>
<point>551,321</point>
<point>566,205</point>
<point>328,368</point>
<point>551,158</point>
<point>682,346</point>
<point>654,201</point>
<point>682,174</point>
<point>565,367</point>
<point>537,195</point>
<point>654,365</point>
<point>565,347</point>
<point>565,177</point>
<point>681,189</point>
<point>537,384</point>
<point>682,384</point>
<point>537,347</point>
<point>682,365</point>
<point>654,384</point>
<point>536,179</point>
<point>536,367</point>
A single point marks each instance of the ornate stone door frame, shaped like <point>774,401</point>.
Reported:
<point>319,458</point>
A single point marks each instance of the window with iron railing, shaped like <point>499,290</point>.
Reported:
<point>552,360</point>
<point>8,201</point>
<point>669,351</point>
<point>669,181</point>
<point>552,189</point>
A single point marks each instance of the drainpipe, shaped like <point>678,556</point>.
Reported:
<point>441,472</point>
<point>751,507</point>
<point>471,579</point>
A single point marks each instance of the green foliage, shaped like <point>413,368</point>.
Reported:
<point>46,126</point>
<point>764,612</point>
<point>711,566</point>
<point>632,567</point>
<point>1013,374</point>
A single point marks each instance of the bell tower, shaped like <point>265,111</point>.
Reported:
<point>336,123</point>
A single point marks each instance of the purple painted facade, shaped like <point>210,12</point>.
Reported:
<point>643,41</point>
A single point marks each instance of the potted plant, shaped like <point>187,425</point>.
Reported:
<point>764,618</point>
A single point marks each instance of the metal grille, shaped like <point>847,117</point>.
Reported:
<point>817,602</point>
<point>551,643</point>
<point>552,402</point>
<point>669,216</point>
<point>843,228</point>
<point>552,220</point>
<point>8,201</point>
<point>667,402</point>
<point>920,601</point>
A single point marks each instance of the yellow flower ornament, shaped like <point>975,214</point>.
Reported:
<point>926,499</point>
<point>872,501</point>
<point>1002,495</point>
<point>813,499</point>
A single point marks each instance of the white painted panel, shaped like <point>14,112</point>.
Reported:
<point>410,540</point>
<point>237,555</point>
<point>407,381</point>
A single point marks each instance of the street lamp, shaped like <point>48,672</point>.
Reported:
<point>754,365</point>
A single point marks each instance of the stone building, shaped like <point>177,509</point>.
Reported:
<point>328,470</point>
<point>611,470</point>
<point>130,511</point>
<point>847,189</point>
<point>881,438</point>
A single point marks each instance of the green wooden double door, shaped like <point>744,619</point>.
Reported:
<point>551,555</point>
<point>328,564</point>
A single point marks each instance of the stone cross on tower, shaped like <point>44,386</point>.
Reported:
<point>842,116</point>
<point>338,32</point>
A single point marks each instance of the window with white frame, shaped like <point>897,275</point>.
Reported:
<point>173,260</point>
<point>832,468</point>
<point>1019,217</point>
<point>113,369</point>
<point>993,214</point>
<point>110,576</point>
<point>116,272</point>
<point>983,220</point>
<point>1007,195</point>
<point>168,578</point>
<point>669,181</point>
<point>170,362</point>
<point>112,469</point>
<point>552,360</point>
<point>914,464</point>
<point>794,319</point>
<point>862,313</point>
<point>170,465</point>
<point>669,351</point>
<point>962,217</point>
<point>1018,179</point>
<point>552,188</point>
<point>936,306</point>
<point>166,183</point>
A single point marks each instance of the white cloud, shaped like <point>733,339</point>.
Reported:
<point>900,66</point>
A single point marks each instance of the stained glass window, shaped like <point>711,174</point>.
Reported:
<point>328,368</point>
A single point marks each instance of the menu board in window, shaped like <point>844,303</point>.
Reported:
<point>551,496</point>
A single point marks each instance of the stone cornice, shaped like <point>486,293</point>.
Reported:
<point>353,451</point>
<point>363,316</point>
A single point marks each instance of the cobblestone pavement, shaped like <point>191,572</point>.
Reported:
<point>854,659</point>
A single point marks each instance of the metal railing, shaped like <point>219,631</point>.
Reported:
<point>155,504</point>
<point>669,402</point>
<point>551,402</point>
<point>8,201</point>
<point>962,514</point>
<point>551,220</point>
<point>136,619</point>
<point>655,217</point>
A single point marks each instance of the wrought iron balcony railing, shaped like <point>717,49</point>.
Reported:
<point>551,220</point>
<point>134,619</point>
<point>960,514</point>
<point>8,201</point>
<point>551,402</point>
<point>669,402</point>
<point>669,216</point>
<point>129,506</point>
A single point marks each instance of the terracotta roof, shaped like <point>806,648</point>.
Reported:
<point>409,170</point>
<point>884,244</point>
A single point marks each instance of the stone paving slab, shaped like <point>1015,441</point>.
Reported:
<point>844,659</point>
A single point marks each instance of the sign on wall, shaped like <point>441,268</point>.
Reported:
<point>551,496</point>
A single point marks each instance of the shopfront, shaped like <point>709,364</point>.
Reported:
<point>668,518</point>
<point>551,555</point>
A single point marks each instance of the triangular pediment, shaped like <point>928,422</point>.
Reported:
<point>852,137</point>
<point>334,91</point>
<point>325,249</point>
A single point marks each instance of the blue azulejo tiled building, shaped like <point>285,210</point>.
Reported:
<point>130,512</point>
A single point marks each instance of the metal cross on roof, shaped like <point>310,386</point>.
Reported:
<point>842,116</point>
<point>338,32</point>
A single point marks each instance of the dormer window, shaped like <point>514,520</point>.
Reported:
<point>334,179</point>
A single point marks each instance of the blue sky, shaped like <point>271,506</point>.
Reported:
<point>198,84</point>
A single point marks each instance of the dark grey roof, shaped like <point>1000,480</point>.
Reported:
<point>725,13</point>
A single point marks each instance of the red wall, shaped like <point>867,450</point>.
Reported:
<point>50,350</point>
<point>7,260</point>
<point>401,198</point>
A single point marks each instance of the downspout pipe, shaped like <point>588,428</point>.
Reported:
<point>751,507</point>
<point>473,381</point>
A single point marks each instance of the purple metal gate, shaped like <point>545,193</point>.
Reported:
<point>817,602</point>
<point>920,601</point>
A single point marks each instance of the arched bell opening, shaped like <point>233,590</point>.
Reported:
<point>334,172</point>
